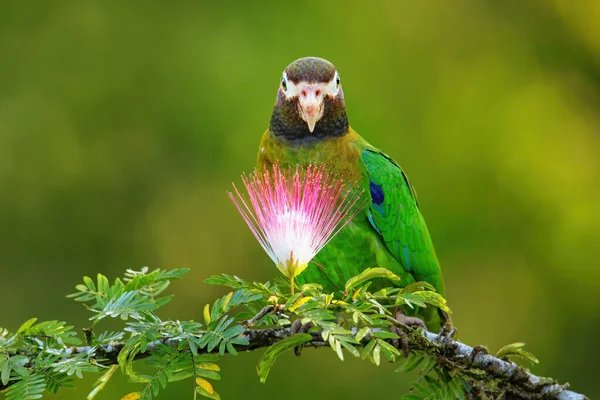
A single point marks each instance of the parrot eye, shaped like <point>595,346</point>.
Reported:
<point>337,81</point>
<point>284,84</point>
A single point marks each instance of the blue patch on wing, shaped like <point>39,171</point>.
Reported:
<point>377,197</point>
<point>376,193</point>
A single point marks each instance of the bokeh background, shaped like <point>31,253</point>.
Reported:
<point>122,125</point>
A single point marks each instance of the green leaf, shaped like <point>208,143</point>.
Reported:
<point>163,359</point>
<point>368,348</point>
<point>58,380</point>
<point>270,356</point>
<point>5,369</point>
<point>456,387</point>
<point>202,391</point>
<point>152,283</point>
<point>433,384</point>
<point>417,286</point>
<point>411,300</point>
<point>377,354</point>
<point>390,351</point>
<point>17,364</point>
<point>30,387</point>
<point>436,300</point>
<point>25,327</point>
<point>361,333</point>
<point>385,335</point>
<point>292,300</point>
<point>225,280</point>
<point>128,304</point>
<point>350,348</point>
<point>126,357</point>
<point>54,332</point>
<point>76,364</point>
<point>412,362</point>
<point>336,346</point>
<point>420,389</point>
<point>516,349</point>
<point>102,381</point>
<point>428,363</point>
<point>89,283</point>
<point>412,396</point>
<point>368,274</point>
<point>231,349</point>
<point>103,284</point>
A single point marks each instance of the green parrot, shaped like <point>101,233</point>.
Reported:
<point>309,125</point>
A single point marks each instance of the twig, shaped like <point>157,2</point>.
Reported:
<point>266,310</point>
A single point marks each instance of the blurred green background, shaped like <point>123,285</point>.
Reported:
<point>122,125</point>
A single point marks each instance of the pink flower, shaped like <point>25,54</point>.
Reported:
<point>294,215</point>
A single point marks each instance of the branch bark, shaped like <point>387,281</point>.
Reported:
<point>513,379</point>
<point>516,380</point>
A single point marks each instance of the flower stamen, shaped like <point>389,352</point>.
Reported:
<point>293,216</point>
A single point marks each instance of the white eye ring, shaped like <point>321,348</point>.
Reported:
<point>284,82</point>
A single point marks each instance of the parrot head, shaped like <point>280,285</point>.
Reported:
<point>310,102</point>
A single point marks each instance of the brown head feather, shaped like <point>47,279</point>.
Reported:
<point>310,69</point>
<point>286,121</point>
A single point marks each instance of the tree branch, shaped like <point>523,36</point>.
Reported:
<point>515,380</point>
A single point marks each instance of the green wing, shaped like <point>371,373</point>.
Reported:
<point>394,214</point>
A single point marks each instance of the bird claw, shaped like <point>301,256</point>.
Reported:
<point>402,341</point>
<point>299,327</point>
<point>412,322</point>
<point>446,334</point>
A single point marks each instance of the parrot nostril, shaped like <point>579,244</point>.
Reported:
<point>318,92</point>
<point>304,94</point>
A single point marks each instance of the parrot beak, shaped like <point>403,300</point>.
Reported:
<point>311,105</point>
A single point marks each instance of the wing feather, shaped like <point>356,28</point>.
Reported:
<point>394,214</point>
